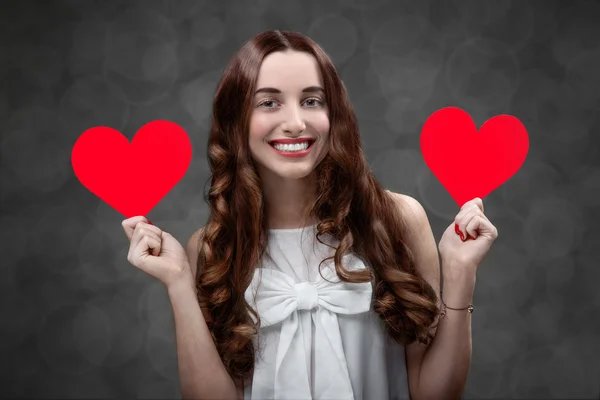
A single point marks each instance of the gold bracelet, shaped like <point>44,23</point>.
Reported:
<point>469,308</point>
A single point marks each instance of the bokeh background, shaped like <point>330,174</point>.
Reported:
<point>77,320</point>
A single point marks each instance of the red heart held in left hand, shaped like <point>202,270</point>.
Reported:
<point>468,163</point>
<point>132,177</point>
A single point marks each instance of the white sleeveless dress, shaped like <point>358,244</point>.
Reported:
<point>318,340</point>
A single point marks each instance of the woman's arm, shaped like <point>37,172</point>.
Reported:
<point>202,374</point>
<point>440,370</point>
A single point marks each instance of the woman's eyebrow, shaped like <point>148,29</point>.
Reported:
<point>274,90</point>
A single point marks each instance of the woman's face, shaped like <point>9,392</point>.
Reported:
<point>289,103</point>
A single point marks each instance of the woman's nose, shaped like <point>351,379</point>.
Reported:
<point>294,121</point>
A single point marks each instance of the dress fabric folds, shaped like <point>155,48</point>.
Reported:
<point>319,338</point>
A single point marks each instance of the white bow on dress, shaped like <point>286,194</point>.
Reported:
<point>278,300</point>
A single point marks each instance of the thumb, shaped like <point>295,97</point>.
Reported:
<point>130,223</point>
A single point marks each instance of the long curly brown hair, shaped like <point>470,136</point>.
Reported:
<point>351,206</point>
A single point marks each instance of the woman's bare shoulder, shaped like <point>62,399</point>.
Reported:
<point>405,202</point>
<point>411,210</point>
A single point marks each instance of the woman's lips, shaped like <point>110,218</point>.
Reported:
<point>295,154</point>
<point>292,141</point>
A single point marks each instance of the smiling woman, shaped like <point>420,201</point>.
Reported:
<point>305,276</point>
<point>290,109</point>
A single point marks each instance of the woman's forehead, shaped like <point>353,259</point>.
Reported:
<point>289,70</point>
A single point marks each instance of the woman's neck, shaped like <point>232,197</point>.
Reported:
<point>288,201</point>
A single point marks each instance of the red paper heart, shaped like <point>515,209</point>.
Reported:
<point>468,163</point>
<point>132,177</point>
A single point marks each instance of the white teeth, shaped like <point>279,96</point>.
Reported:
<point>291,147</point>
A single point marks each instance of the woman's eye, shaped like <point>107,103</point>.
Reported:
<point>312,99</point>
<point>310,102</point>
<point>266,103</point>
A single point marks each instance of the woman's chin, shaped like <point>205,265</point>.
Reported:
<point>299,173</point>
<point>295,172</point>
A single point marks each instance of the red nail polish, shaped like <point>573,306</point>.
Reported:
<point>458,232</point>
<point>150,222</point>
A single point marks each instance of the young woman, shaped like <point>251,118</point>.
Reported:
<point>309,279</point>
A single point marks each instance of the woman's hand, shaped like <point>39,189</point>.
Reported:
<point>156,252</point>
<point>478,234</point>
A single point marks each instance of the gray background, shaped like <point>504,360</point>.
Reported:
<point>77,320</point>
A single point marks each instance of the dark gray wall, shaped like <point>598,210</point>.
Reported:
<point>78,320</point>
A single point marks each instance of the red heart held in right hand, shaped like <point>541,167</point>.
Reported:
<point>132,177</point>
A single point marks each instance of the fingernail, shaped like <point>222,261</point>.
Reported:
<point>462,237</point>
<point>456,228</point>
<point>150,222</point>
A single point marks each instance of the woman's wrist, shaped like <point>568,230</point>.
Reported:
<point>184,283</point>
<point>458,284</point>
